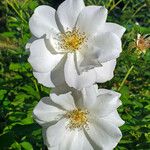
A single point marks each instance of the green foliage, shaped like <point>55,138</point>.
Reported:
<point>20,92</point>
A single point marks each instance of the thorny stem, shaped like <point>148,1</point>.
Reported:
<point>125,78</point>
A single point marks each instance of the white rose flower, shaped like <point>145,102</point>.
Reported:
<point>73,45</point>
<point>86,120</point>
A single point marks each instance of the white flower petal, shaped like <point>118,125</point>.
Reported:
<point>61,89</point>
<point>67,140</point>
<point>31,40</point>
<point>44,129</point>
<point>57,74</point>
<point>107,102</point>
<point>40,57</point>
<point>107,46</point>
<point>53,148</point>
<point>103,134</point>
<point>82,141</point>
<point>78,141</point>
<point>109,92</point>
<point>66,101</point>
<point>88,64</point>
<point>46,112</point>
<point>53,43</point>
<point>105,72</point>
<point>84,62</point>
<point>89,96</point>
<point>55,133</point>
<point>115,28</point>
<point>44,78</point>
<point>68,12</point>
<point>96,89</point>
<point>91,19</point>
<point>115,119</point>
<point>43,21</point>
<point>73,79</point>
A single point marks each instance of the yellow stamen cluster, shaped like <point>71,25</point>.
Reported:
<point>77,118</point>
<point>72,40</point>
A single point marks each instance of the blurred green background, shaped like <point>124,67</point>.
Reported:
<point>20,92</point>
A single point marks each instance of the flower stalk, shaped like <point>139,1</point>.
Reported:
<point>125,78</point>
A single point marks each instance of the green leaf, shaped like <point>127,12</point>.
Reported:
<point>26,146</point>
<point>125,94</point>
<point>2,93</point>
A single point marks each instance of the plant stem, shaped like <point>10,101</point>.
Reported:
<point>125,78</point>
<point>113,6</point>
<point>36,86</point>
<point>144,5</point>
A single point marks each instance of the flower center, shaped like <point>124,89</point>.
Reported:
<point>77,118</point>
<point>72,40</point>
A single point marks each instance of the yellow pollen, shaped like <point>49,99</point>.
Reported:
<point>77,118</point>
<point>72,40</point>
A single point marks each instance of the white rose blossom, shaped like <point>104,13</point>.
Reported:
<point>86,120</point>
<point>73,45</point>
